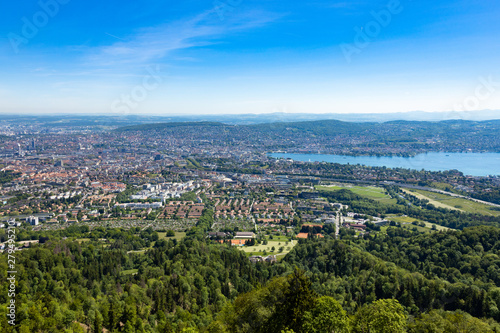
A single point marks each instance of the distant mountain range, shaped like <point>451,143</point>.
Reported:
<point>350,117</point>
<point>126,120</point>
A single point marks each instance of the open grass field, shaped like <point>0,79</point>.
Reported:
<point>407,219</point>
<point>409,226</point>
<point>260,248</point>
<point>436,203</point>
<point>178,235</point>
<point>281,239</point>
<point>372,192</point>
<point>455,203</point>
<point>129,271</point>
<point>419,228</point>
<point>139,251</point>
<point>438,227</point>
<point>80,240</point>
<point>442,186</point>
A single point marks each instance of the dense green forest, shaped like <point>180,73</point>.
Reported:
<point>7,176</point>
<point>79,279</point>
<point>403,280</point>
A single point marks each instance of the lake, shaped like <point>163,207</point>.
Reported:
<point>473,164</point>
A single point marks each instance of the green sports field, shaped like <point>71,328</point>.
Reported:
<point>372,192</point>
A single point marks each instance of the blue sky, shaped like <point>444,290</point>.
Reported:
<point>244,56</point>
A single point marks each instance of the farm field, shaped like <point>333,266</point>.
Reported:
<point>372,192</point>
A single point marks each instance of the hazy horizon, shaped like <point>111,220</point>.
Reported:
<point>480,115</point>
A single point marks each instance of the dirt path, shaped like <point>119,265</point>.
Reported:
<point>431,201</point>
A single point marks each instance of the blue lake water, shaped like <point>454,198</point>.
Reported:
<point>473,164</point>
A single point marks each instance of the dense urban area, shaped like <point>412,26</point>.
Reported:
<point>193,227</point>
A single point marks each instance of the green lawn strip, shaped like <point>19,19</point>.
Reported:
<point>402,219</point>
<point>442,186</point>
<point>179,235</point>
<point>419,228</point>
<point>407,219</point>
<point>249,254</point>
<point>139,251</point>
<point>129,271</point>
<point>80,240</point>
<point>278,238</point>
<point>438,227</point>
<point>459,203</point>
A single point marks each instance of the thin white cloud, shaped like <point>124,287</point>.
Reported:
<point>155,43</point>
<point>342,5</point>
<point>345,5</point>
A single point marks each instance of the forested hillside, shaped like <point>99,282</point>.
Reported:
<point>195,285</point>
